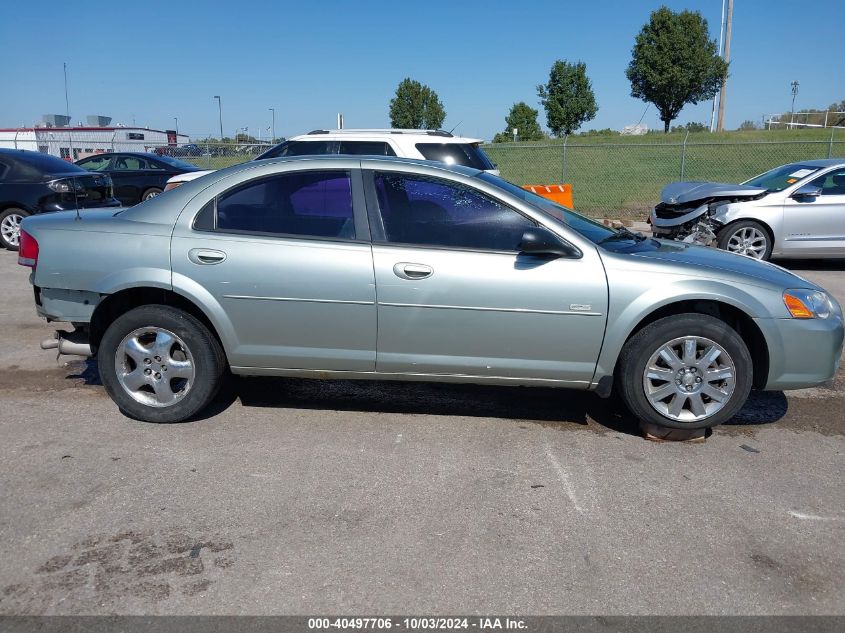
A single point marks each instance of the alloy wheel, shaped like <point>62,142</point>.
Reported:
<point>748,241</point>
<point>689,379</point>
<point>10,229</point>
<point>154,366</point>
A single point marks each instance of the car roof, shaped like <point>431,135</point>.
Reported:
<point>820,162</point>
<point>392,160</point>
<point>430,136</point>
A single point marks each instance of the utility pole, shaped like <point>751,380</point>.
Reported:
<point>794,86</point>
<point>176,118</point>
<point>723,94</point>
<point>67,107</point>
<point>721,39</point>
<point>220,113</point>
<point>273,126</point>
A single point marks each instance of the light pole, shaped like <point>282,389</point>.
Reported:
<point>220,113</point>
<point>794,85</point>
<point>273,126</point>
<point>176,118</point>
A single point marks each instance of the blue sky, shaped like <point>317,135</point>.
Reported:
<point>154,60</point>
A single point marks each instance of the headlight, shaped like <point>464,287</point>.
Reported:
<point>809,304</point>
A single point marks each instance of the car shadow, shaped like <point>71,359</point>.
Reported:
<point>562,409</point>
<point>812,264</point>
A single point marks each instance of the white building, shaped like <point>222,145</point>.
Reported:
<point>72,143</point>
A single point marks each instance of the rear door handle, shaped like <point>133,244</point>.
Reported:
<point>407,270</point>
<point>206,256</point>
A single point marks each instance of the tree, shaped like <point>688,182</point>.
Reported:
<point>568,97</point>
<point>692,126</point>
<point>748,124</point>
<point>524,118</point>
<point>416,106</point>
<point>674,62</point>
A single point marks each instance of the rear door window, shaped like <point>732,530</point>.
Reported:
<point>310,204</point>
<point>466,154</point>
<point>366,148</point>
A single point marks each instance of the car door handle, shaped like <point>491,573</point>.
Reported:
<point>206,256</point>
<point>406,270</point>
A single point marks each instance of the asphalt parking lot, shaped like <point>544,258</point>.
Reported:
<point>307,497</point>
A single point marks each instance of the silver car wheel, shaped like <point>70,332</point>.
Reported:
<point>151,194</point>
<point>10,228</point>
<point>689,379</point>
<point>154,366</point>
<point>749,241</point>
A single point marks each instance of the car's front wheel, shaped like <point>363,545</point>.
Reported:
<point>746,237</point>
<point>689,371</point>
<point>10,228</point>
<point>152,192</point>
<point>160,364</point>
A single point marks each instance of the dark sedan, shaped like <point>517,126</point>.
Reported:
<point>137,176</point>
<point>32,182</point>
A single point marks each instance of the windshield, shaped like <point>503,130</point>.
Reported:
<point>782,177</point>
<point>592,230</point>
<point>176,163</point>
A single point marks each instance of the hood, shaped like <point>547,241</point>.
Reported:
<point>729,265</point>
<point>189,175</point>
<point>686,192</point>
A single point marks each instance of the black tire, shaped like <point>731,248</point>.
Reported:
<point>209,363</point>
<point>635,356</point>
<point>152,192</point>
<point>733,230</point>
<point>7,216</point>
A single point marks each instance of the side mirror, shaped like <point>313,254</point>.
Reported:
<point>541,241</point>
<point>806,193</point>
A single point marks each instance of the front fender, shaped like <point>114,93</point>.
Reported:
<point>629,306</point>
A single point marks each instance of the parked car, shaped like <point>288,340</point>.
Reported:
<point>394,269</point>
<point>178,151</point>
<point>136,176</point>
<point>793,211</point>
<point>32,182</point>
<point>426,144</point>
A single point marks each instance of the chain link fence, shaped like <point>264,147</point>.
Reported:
<point>624,179</point>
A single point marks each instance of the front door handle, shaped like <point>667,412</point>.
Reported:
<point>206,256</point>
<point>407,270</point>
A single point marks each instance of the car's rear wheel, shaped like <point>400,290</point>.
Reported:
<point>746,238</point>
<point>160,364</point>
<point>10,228</point>
<point>152,192</point>
<point>690,371</point>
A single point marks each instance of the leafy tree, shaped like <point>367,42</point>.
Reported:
<point>524,118</point>
<point>416,106</point>
<point>568,97</point>
<point>748,125</point>
<point>674,62</point>
<point>692,126</point>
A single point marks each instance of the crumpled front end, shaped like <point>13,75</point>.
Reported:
<point>693,212</point>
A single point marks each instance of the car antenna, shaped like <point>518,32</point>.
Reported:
<point>456,127</point>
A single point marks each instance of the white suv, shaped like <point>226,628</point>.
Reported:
<point>424,144</point>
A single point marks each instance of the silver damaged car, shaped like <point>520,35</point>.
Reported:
<point>792,211</point>
<point>396,269</point>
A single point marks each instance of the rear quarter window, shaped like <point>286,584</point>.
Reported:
<point>466,154</point>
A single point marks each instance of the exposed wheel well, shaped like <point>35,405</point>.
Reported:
<point>121,302</point>
<point>738,320</point>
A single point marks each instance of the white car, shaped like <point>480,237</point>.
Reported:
<point>423,144</point>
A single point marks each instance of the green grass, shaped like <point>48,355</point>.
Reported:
<point>621,177</point>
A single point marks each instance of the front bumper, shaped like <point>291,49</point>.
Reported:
<point>802,352</point>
